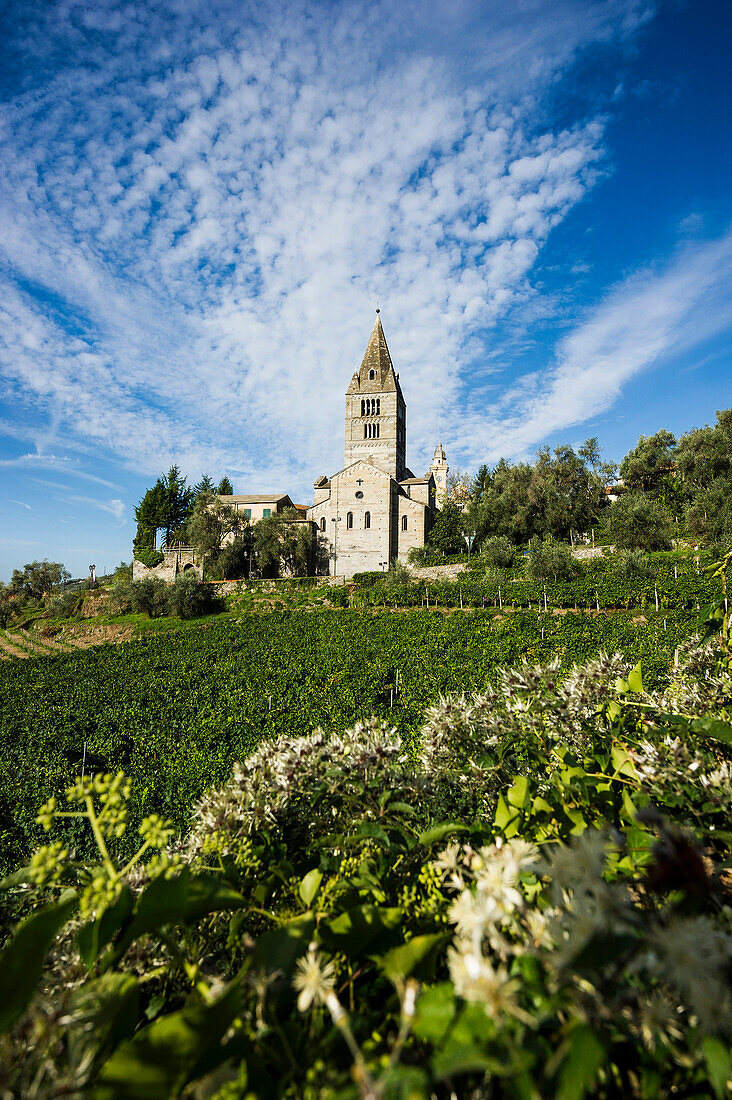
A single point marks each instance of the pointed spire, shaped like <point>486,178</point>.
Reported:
<point>377,355</point>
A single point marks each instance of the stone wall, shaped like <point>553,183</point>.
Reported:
<point>173,564</point>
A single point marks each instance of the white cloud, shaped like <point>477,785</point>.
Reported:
<point>649,318</point>
<point>196,223</point>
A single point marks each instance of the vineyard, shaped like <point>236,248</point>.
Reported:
<point>375,852</point>
<point>174,710</point>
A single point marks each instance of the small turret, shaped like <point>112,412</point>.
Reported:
<point>439,470</point>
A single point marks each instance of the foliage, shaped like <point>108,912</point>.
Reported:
<point>632,564</point>
<point>282,543</point>
<point>234,560</point>
<point>150,597</point>
<point>123,573</point>
<point>225,487</point>
<point>166,505</point>
<point>447,531</point>
<point>149,556</point>
<point>550,559</point>
<point>37,579</point>
<point>64,605</point>
<point>648,467</point>
<point>638,522</point>
<point>532,901</point>
<point>189,598</point>
<point>498,552</point>
<point>212,523</point>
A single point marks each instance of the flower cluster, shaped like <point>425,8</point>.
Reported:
<point>277,774</point>
<point>485,913</point>
<point>531,702</point>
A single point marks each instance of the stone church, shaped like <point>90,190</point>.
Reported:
<point>374,510</point>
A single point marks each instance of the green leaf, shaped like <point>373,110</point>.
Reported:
<point>94,936</point>
<point>365,926</point>
<point>169,1053</point>
<point>209,894</point>
<point>719,1064</point>
<point>418,955</point>
<point>504,815</point>
<point>435,1012</point>
<point>310,886</point>
<point>635,679</point>
<point>584,1057</point>
<point>280,947</point>
<point>22,959</point>
<point>105,1012</point>
<point>518,794</point>
<point>438,833</point>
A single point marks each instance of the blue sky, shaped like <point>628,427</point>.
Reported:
<point>202,203</point>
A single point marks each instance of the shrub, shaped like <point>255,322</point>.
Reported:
<point>634,563</point>
<point>498,552</point>
<point>149,597</point>
<point>550,560</point>
<point>65,605</point>
<point>189,598</point>
<point>367,579</point>
<point>149,556</point>
<point>121,597</point>
<point>398,574</point>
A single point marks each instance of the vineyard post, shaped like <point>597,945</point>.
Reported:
<point>676,573</point>
<point>500,601</point>
<point>397,681</point>
<point>676,657</point>
<point>655,593</point>
<point>545,598</point>
<point>664,625</point>
<point>697,565</point>
<point>597,599</point>
<point>270,704</point>
<point>83,762</point>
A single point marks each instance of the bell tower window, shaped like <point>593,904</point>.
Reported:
<point>404,523</point>
<point>372,375</point>
<point>367,520</point>
<point>349,520</point>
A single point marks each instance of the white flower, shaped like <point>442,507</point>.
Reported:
<point>314,979</point>
<point>476,980</point>
<point>473,915</point>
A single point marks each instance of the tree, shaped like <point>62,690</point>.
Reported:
<point>704,464</point>
<point>447,531</point>
<point>638,522</point>
<point>650,464</point>
<point>37,578</point>
<point>166,505</point>
<point>282,543</point>
<point>205,485</point>
<point>213,523</point>
<point>225,488</point>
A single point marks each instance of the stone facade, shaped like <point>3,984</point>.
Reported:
<point>182,559</point>
<point>374,510</point>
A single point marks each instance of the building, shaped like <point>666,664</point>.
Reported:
<point>259,505</point>
<point>374,510</point>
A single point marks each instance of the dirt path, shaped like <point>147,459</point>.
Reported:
<point>11,650</point>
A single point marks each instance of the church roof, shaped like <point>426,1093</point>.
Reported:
<point>377,359</point>
<point>257,498</point>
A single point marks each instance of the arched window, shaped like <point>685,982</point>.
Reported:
<point>349,520</point>
<point>322,524</point>
<point>378,405</point>
<point>372,374</point>
<point>404,523</point>
<point>376,426</point>
<point>367,520</point>
<point>365,431</point>
<point>363,407</point>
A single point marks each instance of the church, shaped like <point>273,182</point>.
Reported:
<point>374,510</point>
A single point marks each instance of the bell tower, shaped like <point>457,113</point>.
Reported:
<point>376,414</point>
